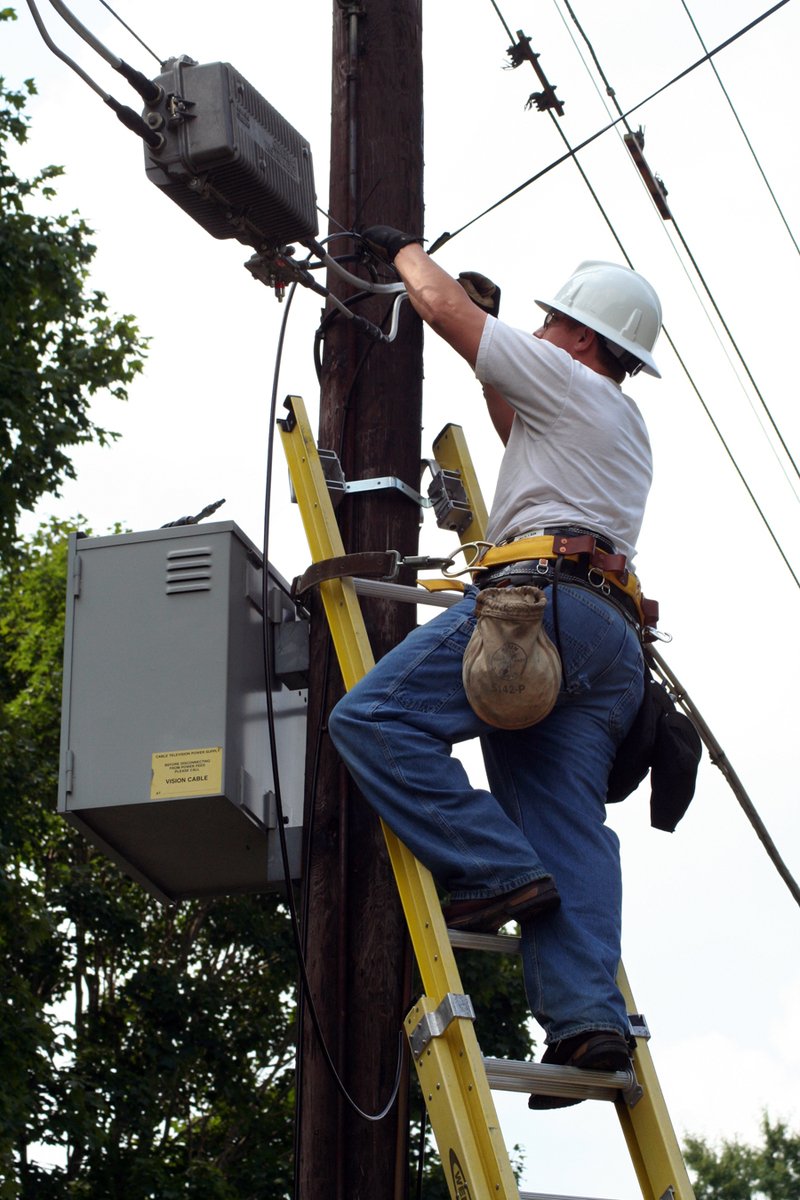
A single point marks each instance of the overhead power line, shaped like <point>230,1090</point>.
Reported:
<point>446,237</point>
<point>720,759</point>
<point>611,92</point>
<point>718,756</point>
<point>743,131</point>
<point>572,153</point>
<point>132,32</point>
<point>634,144</point>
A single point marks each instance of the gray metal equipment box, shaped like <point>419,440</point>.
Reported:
<point>165,747</point>
<point>228,158</point>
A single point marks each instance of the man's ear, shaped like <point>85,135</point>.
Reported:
<point>586,346</point>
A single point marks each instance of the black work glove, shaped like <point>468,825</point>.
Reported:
<point>481,291</point>
<point>385,242</point>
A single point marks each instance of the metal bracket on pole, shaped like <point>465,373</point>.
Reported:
<point>433,1024</point>
<point>446,492</point>
<point>382,482</point>
<point>336,482</point>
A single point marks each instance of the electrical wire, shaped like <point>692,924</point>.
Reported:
<point>720,760</point>
<point>130,119</point>
<point>368,288</point>
<point>331,314</point>
<point>88,37</point>
<point>147,89</point>
<point>48,41</point>
<point>133,34</point>
<point>397,290</point>
<point>717,755</point>
<point>732,458</point>
<point>610,91</point>
<point>307,994</point>
<point>502,19</point>
<point>380,289</point>
<point>572,153</point>
<point>327,320</point>
<point>446,237</point>
<point>743,131</point>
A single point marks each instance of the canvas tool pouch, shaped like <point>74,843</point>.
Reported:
<point>511,669</point>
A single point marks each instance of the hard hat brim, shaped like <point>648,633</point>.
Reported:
<point>645,358</point>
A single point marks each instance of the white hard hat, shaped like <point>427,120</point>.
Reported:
<point>618,304</point>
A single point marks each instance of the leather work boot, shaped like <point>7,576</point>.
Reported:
<point>601,1050</point>
<point>487,916</point>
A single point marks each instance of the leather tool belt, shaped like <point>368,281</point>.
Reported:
<point>532,560</point>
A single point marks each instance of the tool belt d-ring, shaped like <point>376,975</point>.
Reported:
<point>582,559</point>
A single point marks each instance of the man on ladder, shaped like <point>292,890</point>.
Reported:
<point>567,512</point>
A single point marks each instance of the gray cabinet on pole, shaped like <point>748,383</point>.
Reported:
<point>165,744</point>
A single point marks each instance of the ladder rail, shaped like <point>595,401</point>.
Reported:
<point>647,1127</point>
<point>450,1067</point>
<point>449,1064</point>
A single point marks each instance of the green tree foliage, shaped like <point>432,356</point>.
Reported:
<point>144,1051</point>
<point>734,1171</point>
<point>59,345</point>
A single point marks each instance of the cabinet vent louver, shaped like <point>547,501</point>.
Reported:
<point>188,570</point>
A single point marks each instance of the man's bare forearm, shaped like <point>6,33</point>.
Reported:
<point>441,302</point>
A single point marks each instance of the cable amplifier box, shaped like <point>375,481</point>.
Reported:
<point>228,158</point>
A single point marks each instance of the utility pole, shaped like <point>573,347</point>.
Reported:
<point>357,950</point>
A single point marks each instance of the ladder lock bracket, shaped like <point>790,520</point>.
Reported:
<point>434,1024</point>
<point>639,1027</point>
<point>449,499</point>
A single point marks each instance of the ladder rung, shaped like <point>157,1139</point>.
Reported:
<point>461,1110</point>
<point>548,1079</point>
<point>549,1196</point>
<point>384,589</point>
<point>494,943</point>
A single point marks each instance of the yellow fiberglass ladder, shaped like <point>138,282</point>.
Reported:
<point>455,1079</point>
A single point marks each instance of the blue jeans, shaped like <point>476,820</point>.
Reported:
<point>545,814</point>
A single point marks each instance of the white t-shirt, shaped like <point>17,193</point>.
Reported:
<point>578,453</point>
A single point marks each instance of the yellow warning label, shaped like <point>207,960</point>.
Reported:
<point>186,773</point>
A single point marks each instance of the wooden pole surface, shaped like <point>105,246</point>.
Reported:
<point>370,413</point>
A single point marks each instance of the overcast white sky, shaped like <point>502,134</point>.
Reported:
<point>711,932</point>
